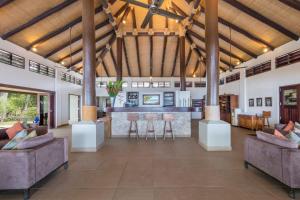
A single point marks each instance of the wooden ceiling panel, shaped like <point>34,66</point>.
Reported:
<point>170,54</point>
<point>145,55</point>
<point>19,12</point>
<point>158,45</point>
<point>132,56</point>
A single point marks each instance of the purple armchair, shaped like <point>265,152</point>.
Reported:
<point>280,162</point>
<point>21,169</point>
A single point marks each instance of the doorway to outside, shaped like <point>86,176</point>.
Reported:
<point>74,108</point>
<point>289,103</point>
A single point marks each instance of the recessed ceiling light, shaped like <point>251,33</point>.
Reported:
<point>176,21</point>
<point>34,49</point>
<point>265,50</point>
<point>124,21</point>
<point>238,62</point>
<point>194,75</point>
<point>62,62</point>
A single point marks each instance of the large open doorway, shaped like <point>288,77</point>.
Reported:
<point>289,103</point>
<point>74,108</point>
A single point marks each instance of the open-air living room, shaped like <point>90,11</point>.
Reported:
<point>149,99</point>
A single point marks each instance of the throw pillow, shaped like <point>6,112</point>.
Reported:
<point>11,132</point>
<point>35,141</point>
<point>272,139</point>
<point>289,127</point>
<point>297,125</point>
<point>13,143</point>
<point>293,137</point>
<point>279,135</point>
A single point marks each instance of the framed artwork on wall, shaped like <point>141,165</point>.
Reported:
<point>251,102</point>
<point>259,102</point>
<point>268,101</point>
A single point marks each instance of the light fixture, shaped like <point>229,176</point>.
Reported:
<point>266,49</point>
<point>238,62</point>
<point>62,62</point>
<point>194,75</point>
<point>124,21</point>
<point>176,21</point>
<point>34,49</point>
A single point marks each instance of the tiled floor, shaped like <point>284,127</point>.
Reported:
<point>163,170</point>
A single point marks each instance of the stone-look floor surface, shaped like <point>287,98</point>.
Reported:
<point>162,170</point>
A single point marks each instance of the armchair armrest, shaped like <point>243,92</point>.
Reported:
<point>291,167</point>
<point>17,169</point>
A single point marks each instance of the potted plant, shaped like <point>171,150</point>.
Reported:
<point>113,88</point>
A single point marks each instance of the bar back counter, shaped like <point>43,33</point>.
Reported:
<point>181,125</point>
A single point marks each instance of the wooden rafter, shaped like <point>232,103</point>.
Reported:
<point>196,67</point>
<point>5,2</point>
<point>124,16</point>
<point>60,30</point>
<point>38,18</point>
<point>188,58</point>
<point>113,59</point>
<point>118,13</point>
<point>80,49</point>
<point>151,47</point>
<point>262,18</point>
<point>126,58</point>
<point>164,49</point>
<point>292,3</point>
<point>136,42</point>
<point>202,39</point>
<point>64,45</point>
<point>175,57</point>
<point>230,41</point>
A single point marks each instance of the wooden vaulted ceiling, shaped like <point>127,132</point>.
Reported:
<point>247,28</point>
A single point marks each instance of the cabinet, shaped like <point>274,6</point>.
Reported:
<point>252,122</point>
<point>227,105</point>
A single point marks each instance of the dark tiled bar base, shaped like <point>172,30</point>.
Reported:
<point>162,170</point>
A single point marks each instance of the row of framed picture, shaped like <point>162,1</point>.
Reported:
<point>259,102</point>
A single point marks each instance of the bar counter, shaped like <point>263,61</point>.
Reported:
<point>181,125</point>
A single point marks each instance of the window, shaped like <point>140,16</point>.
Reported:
<point>155,84</point>
<point>101,84</point>
<point>41,69</point>
<point>288,59</point>
<point>177,84</point>
<point>161,84</point>
<point>17,106</point>
<point>12,59</point>
<point>134,84</point>
<point>167,84</point>
<point>200,84</point>
<point>258,69</point>
<point>233,77</point>
<point>124,85</point>
<point>189,84</point>
<point>146,84</point>
<point>140,84</point>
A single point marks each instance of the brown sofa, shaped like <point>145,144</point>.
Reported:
<point>282,163</point>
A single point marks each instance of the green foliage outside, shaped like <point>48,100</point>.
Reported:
<point>113,88</point>
<point>17,106</point>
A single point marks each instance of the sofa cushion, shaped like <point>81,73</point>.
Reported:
<point>297,125</point>
<point>275,140</point>
<point>16,140</point>
<point>279,135</point>
<point>35,141</point>
<point>289,127</point>
<point>12,131</point>
<point>292,136</point>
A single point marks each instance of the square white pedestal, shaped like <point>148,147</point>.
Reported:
<point>87,136</point>
<point>215,135</point>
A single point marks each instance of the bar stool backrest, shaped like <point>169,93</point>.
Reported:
<point>151,116</point>
<point>168,117</point>
<point>133,117</point>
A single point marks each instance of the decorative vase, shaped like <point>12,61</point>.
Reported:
<point>112,101</point>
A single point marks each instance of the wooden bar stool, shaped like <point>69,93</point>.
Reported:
<point>150,118</point>
<point>168,118</point>
<point>133,118</point>
<point>266,116</point>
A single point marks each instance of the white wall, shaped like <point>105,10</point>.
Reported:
<point>23,77</point>
<point>197,93</point>
<point>266,84</point>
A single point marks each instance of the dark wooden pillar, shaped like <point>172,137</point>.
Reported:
<point>119,57</point>
<point>182,62</point>
<point>212,59</point>
<point>89,110</point>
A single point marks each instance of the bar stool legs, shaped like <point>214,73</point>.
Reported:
<point>135,130</point>
<point>170,130</point>
<point>150,129</point>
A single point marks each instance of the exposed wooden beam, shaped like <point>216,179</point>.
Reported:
<point>228,40</point>
<point>292,3</point>
<point>126,58</point>
<point>124,16</point>
<point>178,9</point>
<point>164,49</point>
<point>105,68</point>
<point>114,60</point>
<point>196,67</point>
<point>136,42</point>
<point>262,18</point>
<point>118,13</point>
<point>80,49</point>
<point>202,39</point>
<point>175,57</point>
<point>5,2</point>
<point>109,14</point>
<point>64,45</point>
<point>60,30</point>
<point>182,63</point>
<point>151,48</point>
<point>38,18</point>
<point>188,58</point>
<point>147,33</point>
